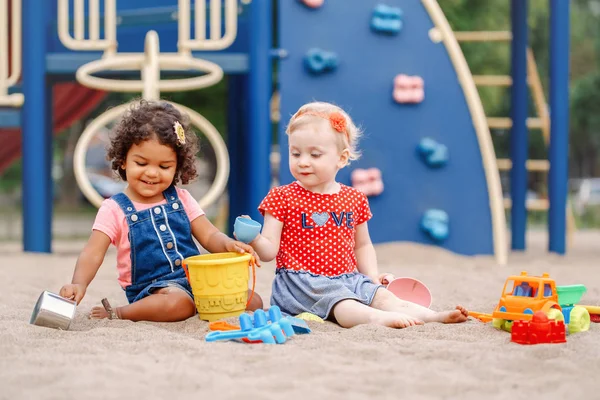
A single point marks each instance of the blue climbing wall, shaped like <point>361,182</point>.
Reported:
<point>362,84</point>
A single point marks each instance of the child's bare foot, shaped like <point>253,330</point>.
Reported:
<point>395,320</point>
<point>99,313</point>
<point>454,316</point>
<point>106,311</point>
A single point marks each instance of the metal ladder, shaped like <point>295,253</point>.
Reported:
<point>542,121</point>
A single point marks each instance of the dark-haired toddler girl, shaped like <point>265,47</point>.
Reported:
<point>152,222</point>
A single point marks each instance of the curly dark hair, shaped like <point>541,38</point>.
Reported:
<point>147,120</point>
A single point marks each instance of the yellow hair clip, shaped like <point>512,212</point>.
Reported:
<point>179,132</point>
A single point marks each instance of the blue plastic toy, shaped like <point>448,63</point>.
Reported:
<point>319,61</point>
<point>434,154</point>
<point>271,329</point>
<point>435,224</point>
<point>246,229</point>
<point>386,19</point>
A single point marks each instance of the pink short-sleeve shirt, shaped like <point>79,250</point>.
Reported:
<point>110,220</point>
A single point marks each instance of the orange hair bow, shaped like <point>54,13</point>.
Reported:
<point>336,119</point>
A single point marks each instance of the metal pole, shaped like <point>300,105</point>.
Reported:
<point>519,137</point>
<point>259,93</point>
<point>238,143</point>
<point>36,131</point>
<point>559,124</point>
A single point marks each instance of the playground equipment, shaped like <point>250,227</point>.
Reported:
<point>519,140</point>
<point>524,295</point>
<point>12,64</point>
<point>427,132</point>
<point>70,101</point>
<point>150,63</point>
<point>361,65</point>
<point>49,56</point>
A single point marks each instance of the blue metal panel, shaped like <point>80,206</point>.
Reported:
<point>37,132</point>
<point>362,85</point>
<point>559,124</point>
<point>10,118</point>
<point>519,136</point>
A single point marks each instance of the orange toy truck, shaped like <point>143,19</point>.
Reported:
<point>523,295</point>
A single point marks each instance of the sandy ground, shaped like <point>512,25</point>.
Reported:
<point>121,359</point>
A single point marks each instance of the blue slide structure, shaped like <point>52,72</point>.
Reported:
<point>450,203</point>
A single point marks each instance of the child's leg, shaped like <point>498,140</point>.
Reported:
<point>256,302</point>
<point>168,304</point>
<point>349,313</point>
<point>387,301</point>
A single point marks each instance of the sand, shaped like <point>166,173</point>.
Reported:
<point>122,359</point>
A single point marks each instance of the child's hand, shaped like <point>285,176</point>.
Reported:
<point>241,247</point>
<point>236,238</point>
<point>386,278</point>
<point>73,291</point>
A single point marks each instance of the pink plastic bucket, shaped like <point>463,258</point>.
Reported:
<point>412,290</point>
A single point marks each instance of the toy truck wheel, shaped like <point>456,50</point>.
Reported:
<point>497,323</point>
<point>502,324</point>
<point>579,320</point>
<point>555,314</point>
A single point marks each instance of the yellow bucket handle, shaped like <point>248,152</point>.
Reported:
<point>253,263</point>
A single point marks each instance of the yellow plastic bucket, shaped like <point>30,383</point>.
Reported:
<point>219,283</point>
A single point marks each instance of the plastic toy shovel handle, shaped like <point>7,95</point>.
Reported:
<point>481,316</point>
<point>219,335</point>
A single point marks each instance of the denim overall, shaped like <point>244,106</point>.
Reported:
<point>160,238</point>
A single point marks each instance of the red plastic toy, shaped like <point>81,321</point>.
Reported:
<point>539,330</point>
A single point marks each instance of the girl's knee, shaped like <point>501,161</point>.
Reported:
<point>383,297</point>
<point>179,303</point>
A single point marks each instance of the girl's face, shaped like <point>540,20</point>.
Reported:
<point>315,156</point>
<point>150,168</point>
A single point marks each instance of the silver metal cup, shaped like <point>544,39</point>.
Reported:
<point>53,311</point>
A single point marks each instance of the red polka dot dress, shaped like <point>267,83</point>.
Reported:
<point>318,229</point>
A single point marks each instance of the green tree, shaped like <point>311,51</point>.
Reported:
<point>585,125</point>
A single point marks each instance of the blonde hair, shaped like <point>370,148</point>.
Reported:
<point>319,111</point>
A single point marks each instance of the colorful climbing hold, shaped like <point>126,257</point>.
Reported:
<point>435,223</point>
<point>432,153</point>
<point>367,181</point>
<point>386,19</point>
<point>319,61</point>
<point>312,3</point>
<point>408,89</point>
